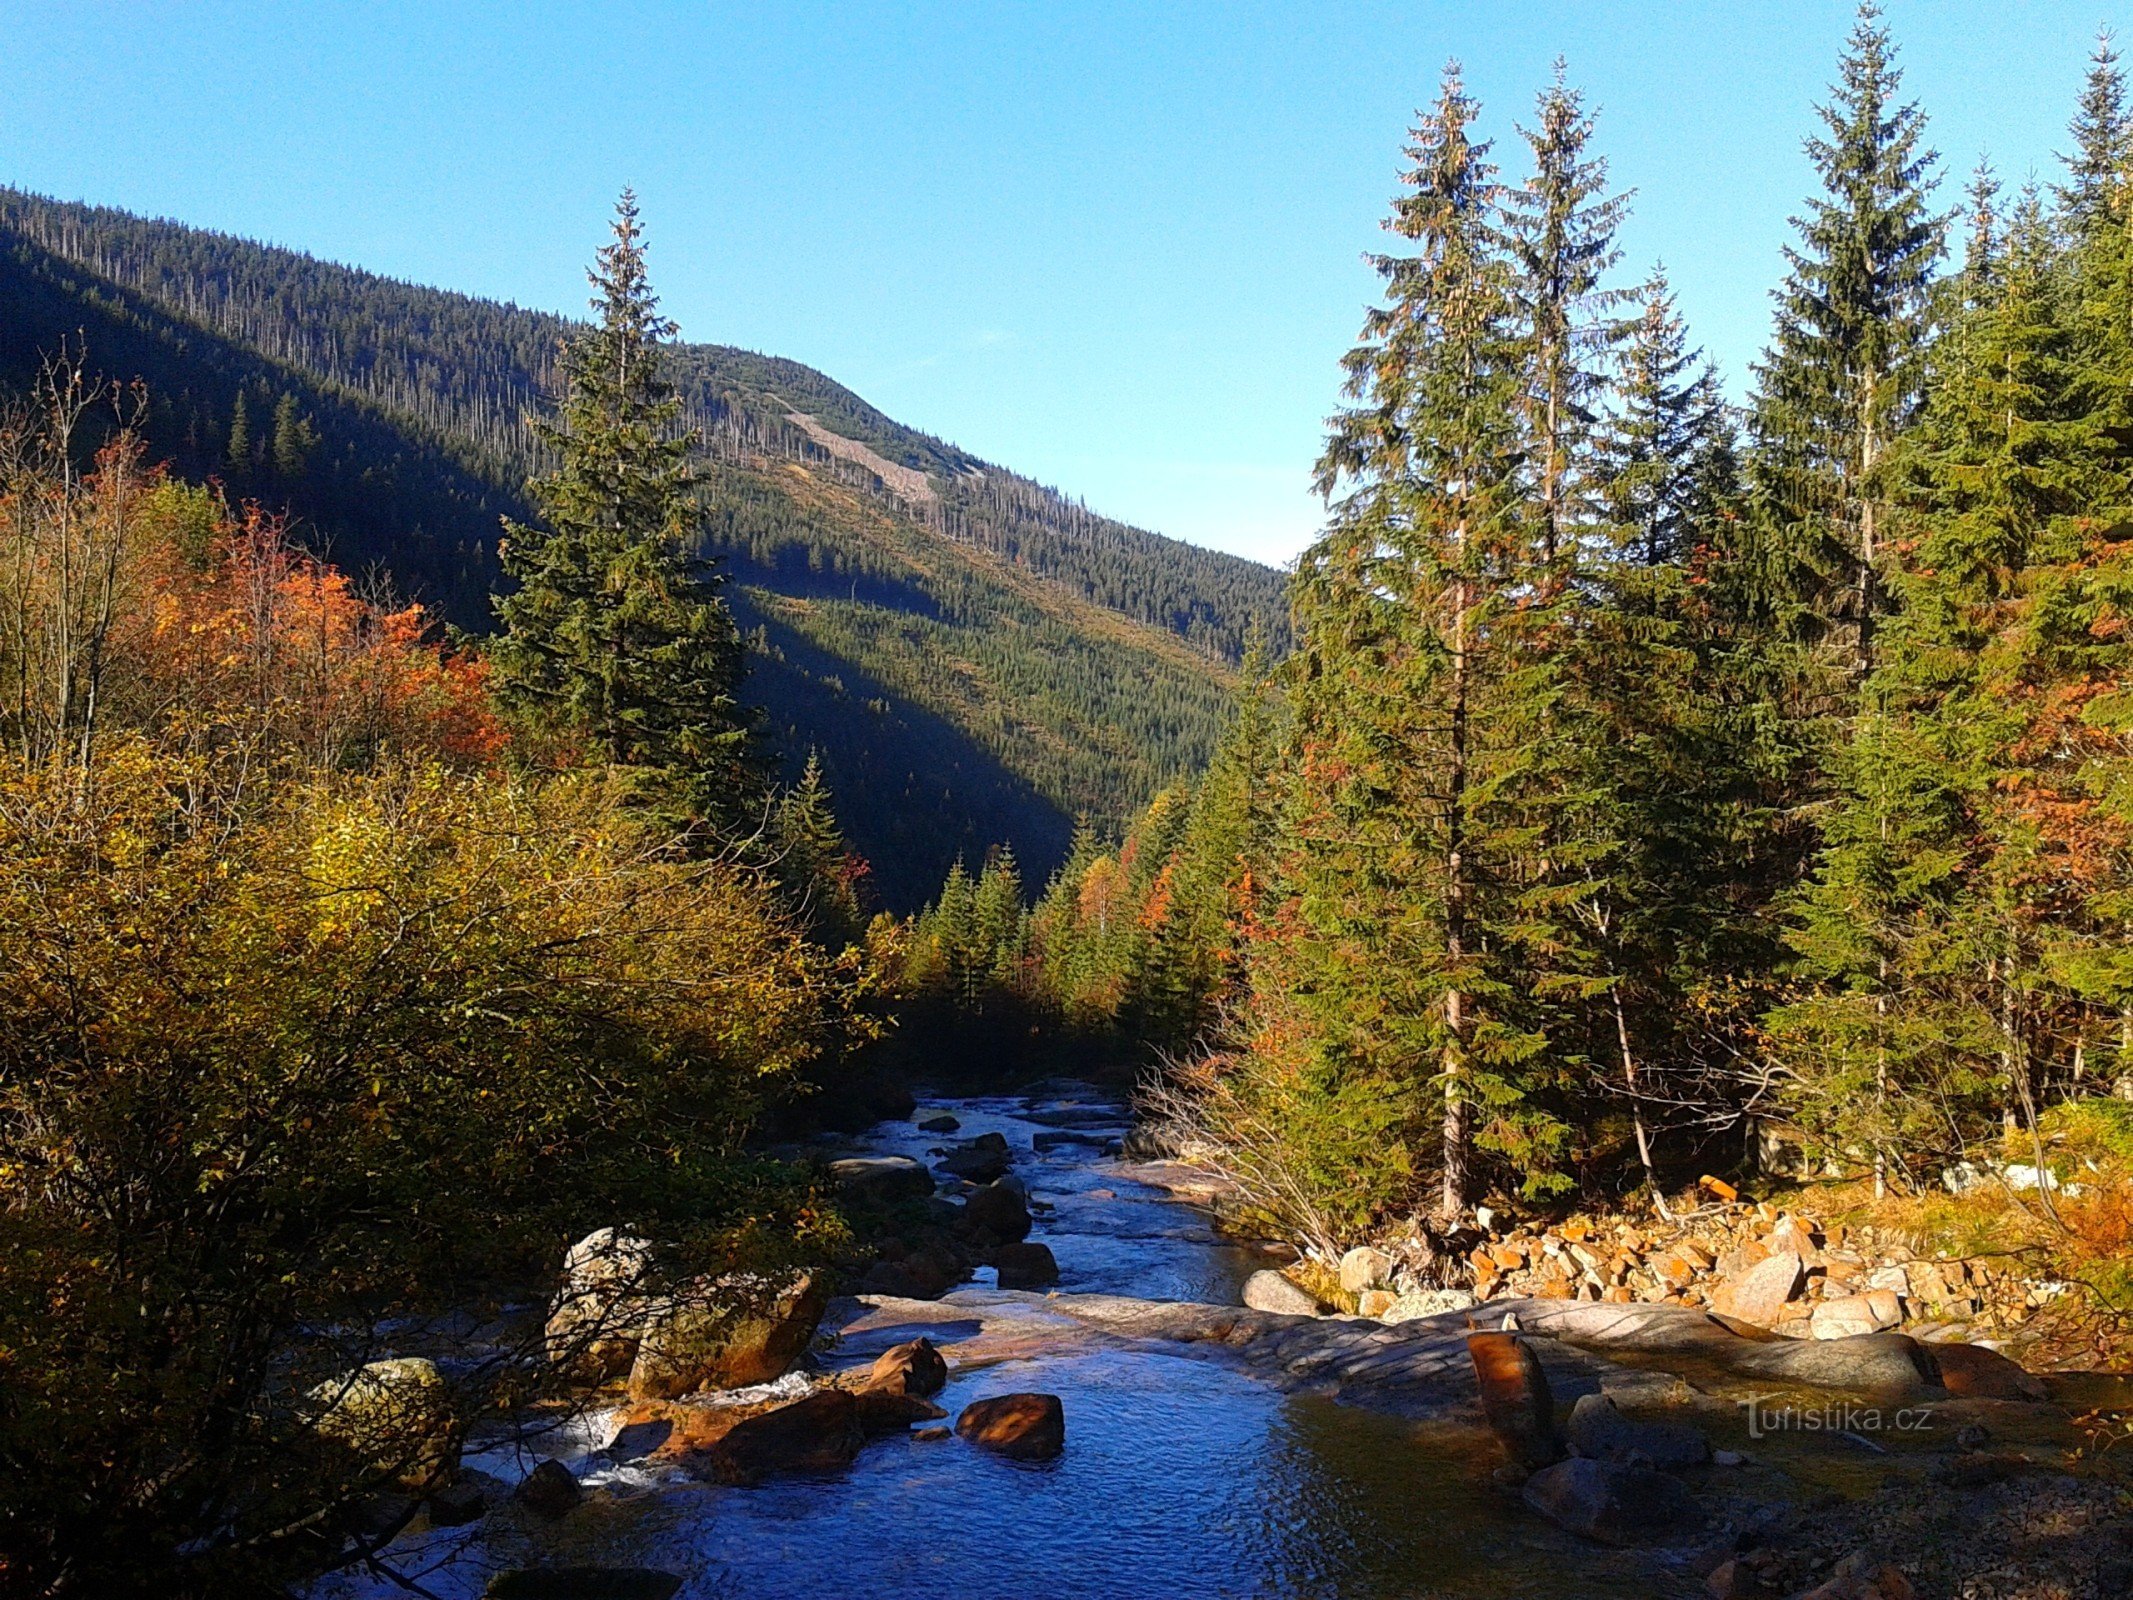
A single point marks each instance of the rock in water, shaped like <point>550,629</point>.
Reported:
<point>981,1160</point>
<point>397,1416</point>
<point>888,1411</point>
<point>1615,1505</point>
<point>1364,1268</point>
<point>914,1367</point>
<point>725,1335</point>
<point>943,1123</point>
<point>821,1433</point>
<point>1515,1396</point>
<point>1759,1292</point>
<point>1028,1427</point>
<point>1267,1290</point>
<point>594,1325</point>
<point>881,1178</point>
<point>1597,1429</point>
<point>549,1491</point>
<point>1025,1266</point>
<point>1000,1209</point>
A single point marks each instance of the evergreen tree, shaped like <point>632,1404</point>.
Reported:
<point>616,633</point>
<point>237,456</point>
<point>818,870</point>
<point>1658,455</point>
<point>1561,224</point>
<point>293,440</point>
<point>2092,198</point>
<point>1841,380</point>
<point>1426,669</point>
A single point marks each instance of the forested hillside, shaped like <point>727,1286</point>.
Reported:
<point>974,657</point>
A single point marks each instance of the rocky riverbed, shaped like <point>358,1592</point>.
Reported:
<point>1215,1449</point>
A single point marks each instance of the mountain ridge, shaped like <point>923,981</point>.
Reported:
<point>976,658</point>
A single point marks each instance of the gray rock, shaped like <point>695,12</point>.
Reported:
<point>1613,1504</point>
<point>594,1324</point>
<point>549,1491</point>
<point>1025,1266</point>
<point>943,1123</point>
<point>1598,1430</point>
<point>881,1177</point>
<point>981,1160</point>
<point>1364,1268</point>
<point>1000,1209</point>
<point>1272,1291</point>
<point>1760,1292</point>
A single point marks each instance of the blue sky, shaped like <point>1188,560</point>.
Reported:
<point>1115,246</point>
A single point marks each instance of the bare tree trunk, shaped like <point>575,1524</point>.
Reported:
<point>1454,1200</point>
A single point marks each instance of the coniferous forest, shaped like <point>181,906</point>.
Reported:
<point>483,789</point>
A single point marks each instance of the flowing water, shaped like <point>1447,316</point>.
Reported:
<point>1182,1477</point>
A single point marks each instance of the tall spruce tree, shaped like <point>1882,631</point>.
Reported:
<point>1420,687</point>
<point>2091,199</point>
<point>1561,224</point>
<point>616,633</point>
<point>1841,380</point>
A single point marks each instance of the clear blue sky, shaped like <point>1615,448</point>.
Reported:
<point>1113,245</point>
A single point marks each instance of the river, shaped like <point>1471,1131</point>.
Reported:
<point>1183,1477</point>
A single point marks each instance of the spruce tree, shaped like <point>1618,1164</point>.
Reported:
<point>2092,198</point>
<point>292,440</point>
<point>616,633</point>
<point>1842,376</point>
<point>1658,451</point>
<point>237,456</point>
<point>1420,688</point>
<point>1561,224</point>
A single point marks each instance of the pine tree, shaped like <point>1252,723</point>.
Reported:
<point>813,862</point>
<point>1841,380</point>
<point>1656,454</point>
<point>616,633</point>
<point>1561,224</point>
<point>2092,198</point>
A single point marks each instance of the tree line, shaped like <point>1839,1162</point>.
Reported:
<point>1649,769</point>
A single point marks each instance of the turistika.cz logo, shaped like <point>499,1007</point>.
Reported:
<point>1767,1415</point>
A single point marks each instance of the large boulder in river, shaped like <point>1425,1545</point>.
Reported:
<point>980,1160</point>
<point>913,1367</point>
<point>1613,1504</point>
<point>725,1334</point>
<point>1028,1427</point>
<point>1001,1210</point>
<point>1267,1290</point>
<point>881,1178</point>
<point>594,1323</point>
<point>396,1417</point>
<point>817,1434</point>
<point>1025,1266</point>
<point>1597,1429</point>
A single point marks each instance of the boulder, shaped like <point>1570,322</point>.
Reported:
<point>597,1316</point>
<point>881,1178</point>
<point>1758,1292</point>
<point>1376,1302</point>
<point>1876,1311</point>
<point>1977,1373</point>
<point>914,1367</point>
<point>1417,1303</point>
<point>1000,1209</point>
<point>1515,1397</point>
<point>1027,1427</point>
<point>549,1491</point>
<point>820,1433</point>
<point>1057,1137</point>
<point>1267,1290</point>
<point>1025,1266</point>
<point>725,1334</point>
<point>1365,1268</point>
<point>943,1123</point>
<point>464,1500</point>
<point>396,1416</point>
<point>915,1277</point>
<point>1597,1429</point>
<point>1610,1503</point>
<point>981,1160</point>
<point>890,1411</point>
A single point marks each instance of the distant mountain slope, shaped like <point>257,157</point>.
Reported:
<point>976,658</point>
